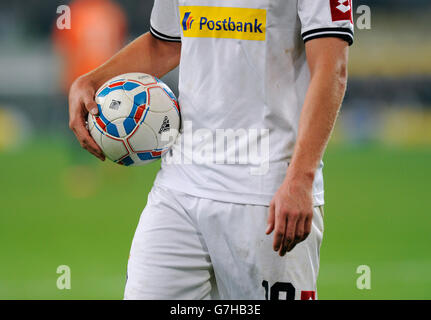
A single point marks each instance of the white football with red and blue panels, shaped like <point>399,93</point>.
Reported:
<point>135,109</point>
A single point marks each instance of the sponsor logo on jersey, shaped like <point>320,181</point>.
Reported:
<point>308,295</point>
<point>341,10</point>
<point>223,22</point>
<point>187,21</point>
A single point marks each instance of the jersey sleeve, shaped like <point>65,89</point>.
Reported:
<point>164,21</point>
<point>326,18</point>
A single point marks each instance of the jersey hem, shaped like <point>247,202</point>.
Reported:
<point>231,196</point>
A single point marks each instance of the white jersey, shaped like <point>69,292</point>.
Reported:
<point>243,81</point>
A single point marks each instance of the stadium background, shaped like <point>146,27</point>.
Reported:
<point>59,206</point>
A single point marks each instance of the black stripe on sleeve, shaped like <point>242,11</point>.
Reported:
<point>162,36</point>
<point>342,33</point>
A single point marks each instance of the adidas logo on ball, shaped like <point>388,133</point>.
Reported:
<point>165,125</point>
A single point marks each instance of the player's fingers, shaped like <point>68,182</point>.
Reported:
<point>84,138</point>
<point>299,233</point>
<point>283,248</point>
<point>77,114</point>
<point>279,227</point>
<point>303,229</point>
<point>287,241</point>
<point>307,226</point>
<point>271,219</point>
<point>88,143</point>
<point>292,220</point>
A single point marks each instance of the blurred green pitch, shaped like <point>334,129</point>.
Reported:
<point>60,207</point>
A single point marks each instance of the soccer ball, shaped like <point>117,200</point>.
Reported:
<point>135,110</point>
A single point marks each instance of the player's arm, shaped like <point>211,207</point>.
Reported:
<point>146,54</point>
<point>291,210</point>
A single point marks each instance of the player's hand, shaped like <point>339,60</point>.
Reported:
<point>81,102</point>
<point>291,213</point>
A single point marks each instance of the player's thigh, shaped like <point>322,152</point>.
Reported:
<point>168,259</point>
<point>245,264</point>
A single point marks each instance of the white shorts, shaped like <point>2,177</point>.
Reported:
<point>193,248</point>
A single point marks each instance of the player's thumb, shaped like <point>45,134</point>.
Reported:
<point>91,106</point>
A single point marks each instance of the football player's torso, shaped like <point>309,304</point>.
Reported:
<point>229,49</point>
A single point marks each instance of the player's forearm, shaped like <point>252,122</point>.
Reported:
<point>145,54</point>
<point>321,106</point>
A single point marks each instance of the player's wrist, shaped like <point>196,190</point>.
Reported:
<point>94,79</point>
<point>84,81</point>
<point>300,176</point>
